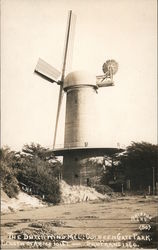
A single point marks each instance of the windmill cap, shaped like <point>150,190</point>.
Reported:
<point>78,78</point>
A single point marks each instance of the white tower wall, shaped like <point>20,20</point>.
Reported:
<point>80,123</point>
<point>80,120</point>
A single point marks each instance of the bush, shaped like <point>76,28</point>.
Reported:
<point>36,167</point>
<point>49,186</point>
<point>9,181</point>
<point>39,170</point>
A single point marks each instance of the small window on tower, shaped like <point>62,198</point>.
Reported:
<point>86,144</point>
<point>76,175</point>
<point>76,159</point>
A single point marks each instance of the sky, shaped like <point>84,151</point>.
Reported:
<point>122,30</point>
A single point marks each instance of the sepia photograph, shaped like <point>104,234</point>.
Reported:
<point>79,151</point>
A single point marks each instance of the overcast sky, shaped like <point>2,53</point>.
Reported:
<point>123,30</point>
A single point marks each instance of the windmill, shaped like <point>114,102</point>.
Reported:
<point>80,88</point>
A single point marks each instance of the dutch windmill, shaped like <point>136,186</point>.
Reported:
<point>80,88</point>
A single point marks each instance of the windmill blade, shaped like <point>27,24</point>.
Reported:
<point>46,71</point>
<point>61,93</point>
<point>69,42</point>
<point>66,63</point>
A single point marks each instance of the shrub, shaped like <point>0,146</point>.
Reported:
<point>40,170</point>
<point>9,181</point>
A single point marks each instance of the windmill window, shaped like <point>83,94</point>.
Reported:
<point>76,159</point>
<point>76,176</point>
<point>86,144</point>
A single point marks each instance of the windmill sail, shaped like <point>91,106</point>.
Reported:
<point>66,62</point>
<point>61,93</point>
<point>69,43</point>
<point>53,75</point>
<point>46,71</point>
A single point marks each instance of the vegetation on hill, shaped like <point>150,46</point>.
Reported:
<point>8,174</point>
<point>36,168</point>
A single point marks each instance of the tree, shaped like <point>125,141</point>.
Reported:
<point>37,150</point>
<point>138,162</point>
<point>40,171</point>
<point>9,182</point>
<point>113,174</point>
<point>36,167</point>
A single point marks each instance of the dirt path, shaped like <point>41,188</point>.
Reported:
<point>92,224</point>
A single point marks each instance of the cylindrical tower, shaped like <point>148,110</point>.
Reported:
<point>80,109</point>
<point>80,122</point>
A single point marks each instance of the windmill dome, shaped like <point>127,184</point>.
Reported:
<point>78,78</point>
